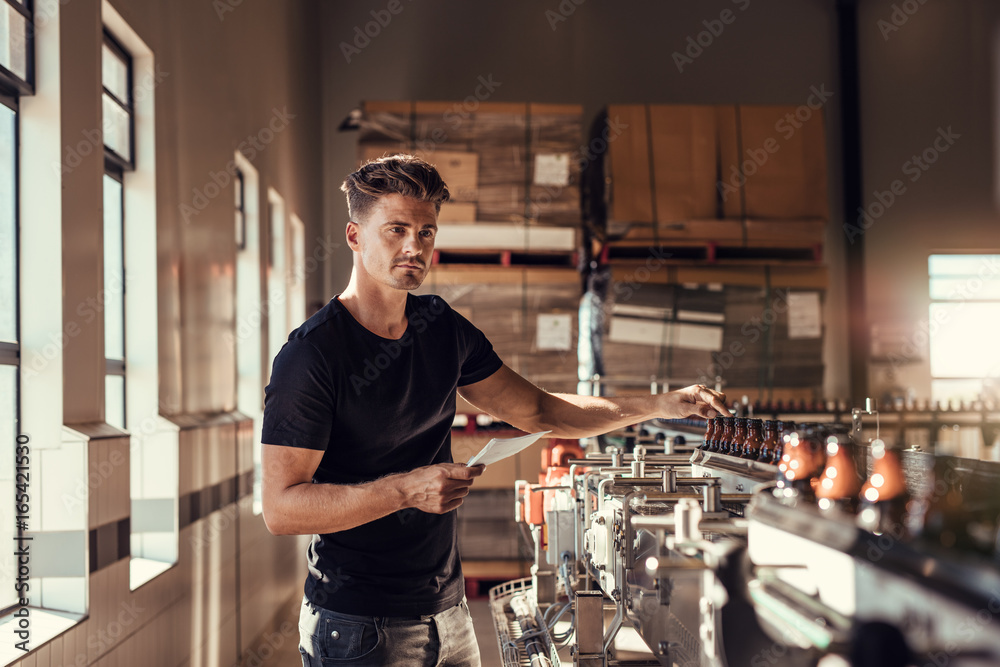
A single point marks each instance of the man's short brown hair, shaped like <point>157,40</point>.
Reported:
<point>402,174</point>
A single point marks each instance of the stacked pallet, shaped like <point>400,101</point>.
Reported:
<point>734,176</point>
<point>528,314</point>
<point>512,170</point>
<point>758,329</point>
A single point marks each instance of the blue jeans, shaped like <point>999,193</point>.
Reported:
<point>445,639</point>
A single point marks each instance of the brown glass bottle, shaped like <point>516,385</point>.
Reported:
<point>739,437</point>
<point>728,433</point>
<point>754,440</point>
<point>840,484</point>
<point>783,428</point>
<point>801,463</point>
<point>884,497</point>
<point>718,433</point>
<point>770,445</point>
<point>710,428</point>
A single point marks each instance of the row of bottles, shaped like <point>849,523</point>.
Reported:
<point>819,464</point>
<point>755,439</point>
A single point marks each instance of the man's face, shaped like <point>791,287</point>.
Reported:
<point>396,242</point>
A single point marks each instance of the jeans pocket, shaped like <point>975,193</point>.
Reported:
<point>331,638</point>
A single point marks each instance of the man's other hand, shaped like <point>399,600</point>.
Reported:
<point>439,488</point>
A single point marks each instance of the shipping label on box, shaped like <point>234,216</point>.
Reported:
<point>555,331</point>
<point>552,169</point>
<point>804,316</point>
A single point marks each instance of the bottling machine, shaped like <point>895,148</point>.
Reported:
<point>694,545</point>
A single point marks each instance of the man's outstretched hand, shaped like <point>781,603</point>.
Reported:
<point>694,401</point>
<point>438,488</point>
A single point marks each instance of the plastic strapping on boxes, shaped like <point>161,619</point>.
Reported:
<point>652,173</point>
<point>739,162</point>
<point>766,374</point>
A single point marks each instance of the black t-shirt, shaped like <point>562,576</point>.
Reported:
<point>377,406</point>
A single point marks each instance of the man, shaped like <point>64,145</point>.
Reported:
<point>357,423</point>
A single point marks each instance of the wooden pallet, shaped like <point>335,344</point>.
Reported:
<point>705,252</point>
<point>506,258</point>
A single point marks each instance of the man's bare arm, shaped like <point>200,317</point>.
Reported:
<point>293,505</point>
<point>508,396</point>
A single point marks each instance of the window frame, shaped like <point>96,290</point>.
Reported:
<point>10,352</point>
<point>8,79</point>
<point>110,155</point>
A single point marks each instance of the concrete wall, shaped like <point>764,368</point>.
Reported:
<point>938,70</point>
<point>590,53</point>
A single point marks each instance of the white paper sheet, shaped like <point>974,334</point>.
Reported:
<point>555,331</point>
<point>805,319</point>
<point>552,169</point>
<point>499,449</point>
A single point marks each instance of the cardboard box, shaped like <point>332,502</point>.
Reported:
<point>784,162</point>
<point>526,156</point>
<point>457,213</point>
<point>460,171</point>
<point>664,166</point>
<point>676,168</point>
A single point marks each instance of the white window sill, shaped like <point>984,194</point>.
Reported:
<point>143,570</point>
<point>46,625</point>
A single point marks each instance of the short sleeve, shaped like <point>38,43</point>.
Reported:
<point>299,400</point>
<point>480,360</point>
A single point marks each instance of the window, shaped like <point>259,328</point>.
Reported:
<point>277,278</point>
<point>964,313</point>
<point>9,349</point>
<point>130,298</point>
<point>114,299</point>
<point>116,103</point>
<point>116,80</point>
<point>17,60</point>
<point>249,310</point>
<point>297,274</point>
